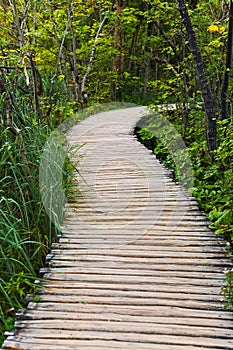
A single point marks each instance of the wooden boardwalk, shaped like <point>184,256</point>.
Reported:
<point>136,267</point>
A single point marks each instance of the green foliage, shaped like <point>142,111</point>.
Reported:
<point>148,138</point>
<point>6,324</point>
<point>18,287</point>
<point>25,232</point>
<point>142,53</point>
<point>222,213</point>
<point>227,289</point>
<point>70,170</point>
<point>158,134</point>
<point>213,181</point>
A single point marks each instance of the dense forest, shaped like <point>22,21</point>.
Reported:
<point>60,57</point>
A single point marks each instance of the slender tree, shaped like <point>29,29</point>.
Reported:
<point>118,60</point>
<point>208,99</point>
<point>92,56</point>
<point>224,92</point>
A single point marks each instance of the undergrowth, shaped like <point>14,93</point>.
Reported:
<point>25,231</point>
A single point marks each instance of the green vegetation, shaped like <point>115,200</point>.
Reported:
<point>213,180</point>
<point>213,185</point>
<point>56,59</point>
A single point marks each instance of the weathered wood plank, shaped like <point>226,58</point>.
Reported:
<point>152,338</point>
<point>168,280</point>
<point>35,344</point>
<point>106,300</point>
<point>160,261</point>
<point>109,293</point>
<point>124,327</point>
<point>142,244</point>
<point>111,316</point>
<point>111,285</point>
<point>137,310</point>
<point>132,272</point>
<point>207,270</point>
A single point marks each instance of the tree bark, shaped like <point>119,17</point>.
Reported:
<point>204,85</point>
<point>37,85</point>
<point>119,37</point>
<point>132,53</point>
<point>118,59</point>
<point>224,91</point>
<point>74,69</point>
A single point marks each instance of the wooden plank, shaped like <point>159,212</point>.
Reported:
<point>156,241</point>
<point>111,285</point>
<point>207,270</point>
<point>123,327</point>
<point>110,293</point>
<point>131,279</point>
<point>185,339</point>
<point>137,310</point>
<point>58,255</point>
<point>138,253</point>
<point>112,316</point>
<point>164,238</point>
<point>132,272</point>
<point>132,226</point>
<point>67,344</point>
<point>108,300</point>
<point>144,245</point>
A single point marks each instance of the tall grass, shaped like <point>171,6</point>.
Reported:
<point>26,232</point>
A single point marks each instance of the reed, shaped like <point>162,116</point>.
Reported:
<point>26,233</point>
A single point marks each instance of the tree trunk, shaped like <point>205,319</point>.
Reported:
<point>74,69</point>
<point>37,85</point>
<point>118,60</point>
<point>224,92</point>
<point>119,37</point>
<point>132,62</point>
<point>84,79</point>
<point>204,85</point>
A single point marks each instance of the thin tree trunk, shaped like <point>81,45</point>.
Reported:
<point>132,62</point>
<point>205,88</point>
<point>8,103</point>
<point>37,85</point>
<point>91,57</point>
<point>119,38</point>
<point>75,71</point>
<point>145,54</point>
<point>118,60</point>
<point>59,58</point>
<point>224,92</point>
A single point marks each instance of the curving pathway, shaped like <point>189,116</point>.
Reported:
<point>136,267</point>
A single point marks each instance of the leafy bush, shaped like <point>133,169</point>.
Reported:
<point>213,181</point>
